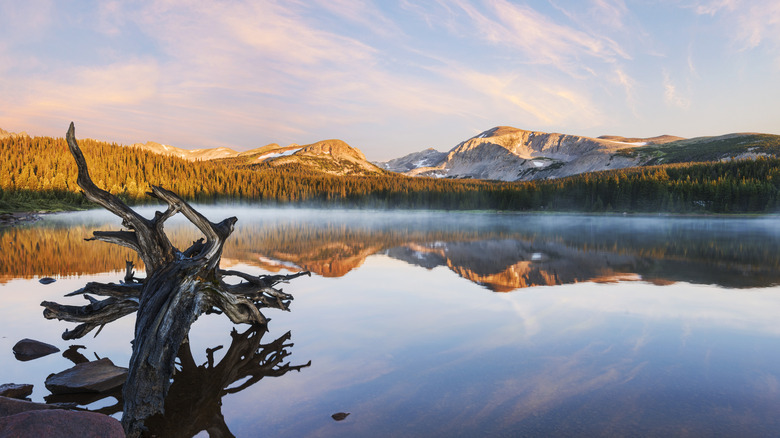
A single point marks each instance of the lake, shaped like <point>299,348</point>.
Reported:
<point>445,324</point>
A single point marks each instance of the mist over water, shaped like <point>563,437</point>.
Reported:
<point>459,324</point>
<point>551,249</point>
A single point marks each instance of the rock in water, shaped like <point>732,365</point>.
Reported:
<point>60,423</point>
<point>96,376</point>
<point>46,280</point>
<point>13,390</point>
<point>12,406</point>
<point>29,349</point>
<point>339,416</point>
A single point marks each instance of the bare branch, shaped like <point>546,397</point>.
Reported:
<point>92,315</point>
<point>216,234</point>
<point>212,231</point>
<point>110,290</point>
<point>159,218</point>
<point>130,277</point>
<point>260,290</point>
<point>127,239</point>
<point>261,296</point>
<point>94,193</point>
<point>263,280</point>
<point>196,247</point>
<point>274,279</point>
<point>239,309</point>
<point>154,248</point>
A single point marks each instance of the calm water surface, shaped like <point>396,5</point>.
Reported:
<point>447,324</point>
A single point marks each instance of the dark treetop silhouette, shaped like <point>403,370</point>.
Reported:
<point>179,286</point>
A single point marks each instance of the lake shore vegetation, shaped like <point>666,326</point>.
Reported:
<point>39,175</point>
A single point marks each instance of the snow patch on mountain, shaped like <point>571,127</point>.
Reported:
<point>271,155</point>
<point>510,154</point>
<point>428,158</point>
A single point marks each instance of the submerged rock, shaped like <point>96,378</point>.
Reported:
<point>14,390</point>
<point>97,376</point>
<point>60,423</point>
<point>339,416</point>
<point>29,349</point>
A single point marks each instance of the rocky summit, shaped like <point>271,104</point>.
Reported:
<point>502,153</point>
<point>510,154</point>
<point>5,134</point>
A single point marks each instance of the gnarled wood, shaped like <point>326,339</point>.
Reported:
<point>179,286</point>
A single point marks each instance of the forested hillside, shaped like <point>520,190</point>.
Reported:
<point>38,173</point>
<point>40,169</point>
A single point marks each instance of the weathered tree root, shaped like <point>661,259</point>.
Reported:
<point>180,285</point>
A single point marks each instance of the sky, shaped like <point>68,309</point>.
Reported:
<point>387,77</point>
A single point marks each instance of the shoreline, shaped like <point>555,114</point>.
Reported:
<point>16,218</point>
<point>10,219</point>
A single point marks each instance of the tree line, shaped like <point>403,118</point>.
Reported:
<point>38,173</point>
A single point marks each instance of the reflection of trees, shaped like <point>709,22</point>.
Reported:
<point>707,251</point>
<point>55,249</point>
<point>194,401</point>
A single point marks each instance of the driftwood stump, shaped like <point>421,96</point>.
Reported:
<point>179,286</point>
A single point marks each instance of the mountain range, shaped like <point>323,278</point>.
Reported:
<point>329,156</point>
<point>501,153</point>
<point>510,154</point>
<point>5,134</point>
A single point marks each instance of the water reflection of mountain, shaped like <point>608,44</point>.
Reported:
<point>503,265</point>
<point>501,252</point>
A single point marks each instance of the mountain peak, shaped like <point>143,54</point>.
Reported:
<point>191,155</point>
<point>510,154</point>
<point>335,148</point>
<point>7,134</point>
<point>498,131</point>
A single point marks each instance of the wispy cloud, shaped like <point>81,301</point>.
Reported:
<point>363,13</point>
<point>611,12</point>
<point>25,19</point>
<point>607,14</point>
<point>711,7</point>
<point>751,22</point>
<point>110,17</point>
<point>672,96</point>
<point>203,73</point>
<point>538,38</point>
<point>534,102</point>
<point>256,66</point>
<point>628,84</point>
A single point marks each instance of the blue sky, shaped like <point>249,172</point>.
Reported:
<point>388,77</point>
